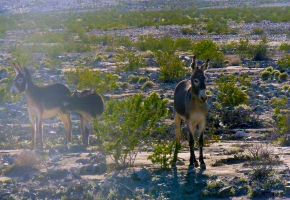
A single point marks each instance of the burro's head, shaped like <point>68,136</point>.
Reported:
<point>21,80</point>
<point>197,79</point>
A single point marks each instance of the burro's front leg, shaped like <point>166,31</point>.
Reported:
<point>192,129</point>
<point>201,144</point>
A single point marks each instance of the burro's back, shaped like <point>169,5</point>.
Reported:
<point>191,107</point>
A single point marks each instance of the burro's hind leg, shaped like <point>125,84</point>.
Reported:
<point>177,137</point>
<point>86,130</point>
<point>65,118</point>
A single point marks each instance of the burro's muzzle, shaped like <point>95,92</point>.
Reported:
<point>202,95</point>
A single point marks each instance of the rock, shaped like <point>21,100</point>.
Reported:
<point>241,134</point>
<point>141,175</point>
<point>99,168</point>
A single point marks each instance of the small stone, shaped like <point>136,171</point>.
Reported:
<point>241,134</point>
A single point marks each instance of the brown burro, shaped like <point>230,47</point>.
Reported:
<point>191,107</point>
<point>49,101</point>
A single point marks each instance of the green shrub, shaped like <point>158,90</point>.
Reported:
<point>276,74</point>
<point>284,63</point>
<point>281,117</point>
<point>143,79</point>
<point>217,27</point>
<point>244,49</point>
<point>207,49</point>
<point>171,67</point>
<point>238,117</point>
<point>286,88</point>
<point>284,47</point>
<point>230,93</point>
<point>133,79</point>
<point>131,60</point>
<point>258,31</point>
<point>270,69</point>
<point>259,52</point>
<point>283,76</point>
<point>265,75</point>
<point>84,78</point>
<point>167,44</point>
<point>163,154</point>
<point>127,125</point>
<point>147,85</point>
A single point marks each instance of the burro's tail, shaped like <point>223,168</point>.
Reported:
<point>86,102</point>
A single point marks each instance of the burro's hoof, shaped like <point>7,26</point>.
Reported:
<point>202,166</point>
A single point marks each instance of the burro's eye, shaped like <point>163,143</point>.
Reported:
<point>196,81</point>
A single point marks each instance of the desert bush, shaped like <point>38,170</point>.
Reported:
<point>207,49</point>
<point>217,27</point>
<point>243,49</point>
<point>284,47</point>
<point>264,179</point>
<point>286,89</point>
<point>258,31</point>
<point>276,74</point>
<point>259,51</point>
<point>171,67</point>
<point>167,44</point>
<point>131,60</point>
<point>281,117</point>
<point>240,116</point>
<point>127,125</point>
<point>283,76</point>
<point>229,92</point>
<point>265,75</point>
<point>163,154</point>
<point>84,78</point>
<point>147,85</point>
<point>284,63</point>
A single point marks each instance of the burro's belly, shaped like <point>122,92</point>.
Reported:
<point>47,114</point>
<point>198,122</point>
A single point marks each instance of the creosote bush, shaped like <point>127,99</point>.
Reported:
<point>207,49</point>
<point>284,63</point>
<point>230,93</point>
<point>131,60</point>
<point>281,117</point>
<point>84,78</point>
<point>163,154</point>
<point>171,67</point>
<point>127,125</point>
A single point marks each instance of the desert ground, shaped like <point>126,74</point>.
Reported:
<point>122,49</point>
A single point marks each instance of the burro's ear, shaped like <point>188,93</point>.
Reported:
<point>205,65</point>
<point>193,63</point>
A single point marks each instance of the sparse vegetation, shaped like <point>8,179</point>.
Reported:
<point>171,67</point>
<point>128,123</point>
<point>207,49</point>
<point>230,94</point>
<point>84,78</point>
<point>163,154</point>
